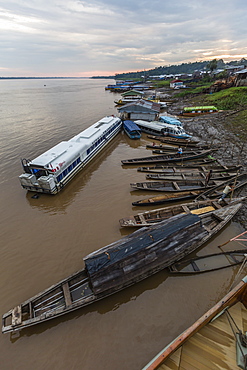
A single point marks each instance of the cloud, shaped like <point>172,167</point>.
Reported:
<point>76,38</point>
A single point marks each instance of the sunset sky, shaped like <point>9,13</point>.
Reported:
<point>102,37</point>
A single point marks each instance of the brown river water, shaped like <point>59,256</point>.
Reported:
<point>44,240</point>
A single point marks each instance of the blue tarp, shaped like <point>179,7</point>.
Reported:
<point>141,239</point>
<point>131,125</point>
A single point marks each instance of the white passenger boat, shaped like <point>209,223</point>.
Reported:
<point>162,129</point>
<point>52,170</point>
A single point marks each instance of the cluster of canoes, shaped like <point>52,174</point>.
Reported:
<point>196,175</point>
<point>162,239</point>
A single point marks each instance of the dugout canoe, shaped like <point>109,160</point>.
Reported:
<point>174,141</point>
<point>119,265</point>
<point>169,158</point>
<point>204,167</point>
<point>152,217</point>
<point>212,193</point>
<point>168,147</point>
<point>176,186</point>
<point>192,175</point>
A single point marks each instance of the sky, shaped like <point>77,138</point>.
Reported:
<point>73,38</point>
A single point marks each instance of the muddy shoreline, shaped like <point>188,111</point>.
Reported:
<point>215,130</point>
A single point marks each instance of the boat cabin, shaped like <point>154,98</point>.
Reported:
<point>131,129</point>
<point>140,110</point>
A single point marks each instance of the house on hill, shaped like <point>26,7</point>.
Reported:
<point>241,77</point>
<point>141,109</point>
<point>176,84</point>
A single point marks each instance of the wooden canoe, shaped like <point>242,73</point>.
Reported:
<point>174,148</point>
<point>121,264</point>
<point>204,167</point>
<point>173,153</point>
<point>192,175</point>
<point>175,141</point>
<point>176,186</point>
<point>212,193</point>
<point>152,217</point>
<point>210,262</point>
<point>211,340</point>
<point>168,158</point>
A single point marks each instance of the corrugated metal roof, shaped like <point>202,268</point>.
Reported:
<point>155,107</point>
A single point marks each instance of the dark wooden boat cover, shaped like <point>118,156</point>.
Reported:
<point>141,253</point>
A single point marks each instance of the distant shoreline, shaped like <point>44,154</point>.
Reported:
<point>40,78</point>
<point>55,78</point>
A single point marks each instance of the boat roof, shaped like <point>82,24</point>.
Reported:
<point>178,129</point>
<point>147,104</point>
<point>138,240</point>
<point>63,151</point>
<point>152,124</point>
<point>132,92</point>
<point>170,120</point>
<point>200,108</point>
<point>131,125</point>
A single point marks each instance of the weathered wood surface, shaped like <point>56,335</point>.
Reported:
<point>168,158</point>
<point>121,264</point>
<point>148,218</point>
<point>204,166</point>
<point>174,187</point>
<point>196,175</point>
<point>175,141</point>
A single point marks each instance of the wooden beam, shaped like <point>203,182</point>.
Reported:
<point>67,296</point>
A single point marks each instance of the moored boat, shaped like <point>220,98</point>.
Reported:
<point>192,176</point>
<point>119,265</point>
<point>174,148</point>
<point>169,158</point>
<point>52,170</point>
<point>167,198</point>
<point>152,217</point>
<point>196,111</point>
<point>162,129</point>
<point>175,141</point>
<point>131,129</point>
<point>175,187</point>
<point>198,167</point>
<point>217,340</point>
<point>202,194</point>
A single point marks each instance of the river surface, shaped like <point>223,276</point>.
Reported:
<point>44,240</point>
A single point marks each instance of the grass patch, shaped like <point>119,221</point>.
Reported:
<point>233,98</point>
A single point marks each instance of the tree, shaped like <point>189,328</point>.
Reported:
<point>212,65</point>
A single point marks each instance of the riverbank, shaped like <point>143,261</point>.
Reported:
<point>223,130</point>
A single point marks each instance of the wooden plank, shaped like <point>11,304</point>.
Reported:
<point>16,316</point>
<point>185,208</point>
<point>175,185</point>
<point>202,210</point>
<point>67,296</point>
<point>141,217</point>
<point>216,205</point>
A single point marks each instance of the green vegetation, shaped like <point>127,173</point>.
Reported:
<point>160,84</point>
<point>233,98</point>
<point>180,68</point>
